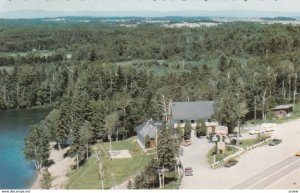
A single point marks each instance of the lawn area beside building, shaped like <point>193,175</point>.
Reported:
<point>116,171</point>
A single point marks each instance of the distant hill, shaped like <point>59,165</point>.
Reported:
<point>279,18</point>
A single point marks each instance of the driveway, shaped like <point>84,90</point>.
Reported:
<point>195,156</point>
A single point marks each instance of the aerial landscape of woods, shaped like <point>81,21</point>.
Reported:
<point>101,80</point>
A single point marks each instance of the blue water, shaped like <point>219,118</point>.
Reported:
<point>15,171</point>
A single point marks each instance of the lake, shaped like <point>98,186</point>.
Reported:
<point>15,171</point>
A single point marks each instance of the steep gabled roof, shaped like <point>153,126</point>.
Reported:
<point>150,128</point>
<point>192,110</point>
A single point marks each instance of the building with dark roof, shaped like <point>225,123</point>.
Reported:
<point>147,133</point>
<point>192,111</point>
<point>283,110</point>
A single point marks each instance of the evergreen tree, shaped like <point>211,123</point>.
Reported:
<point>187,129</point>
<point>98,112</point>
<point>92,56</point>
<point>201,128</point>
<point>167,148</point>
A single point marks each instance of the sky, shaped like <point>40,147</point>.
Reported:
<point>103,6</point>
<point>150,5</point>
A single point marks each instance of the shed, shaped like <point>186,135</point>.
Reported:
<point>283,110</point>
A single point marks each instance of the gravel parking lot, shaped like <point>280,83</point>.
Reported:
<point>250,163</point>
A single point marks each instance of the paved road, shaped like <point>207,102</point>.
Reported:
<point>270,175</point>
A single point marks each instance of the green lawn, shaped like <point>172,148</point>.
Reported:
<point>123,169</point>
<point>228,151</point>
<point>248,142</point>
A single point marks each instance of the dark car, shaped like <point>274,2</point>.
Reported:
<point>187,142</point>
<point>188,171</point>
<point>274,142</point>
<point>230,163</point>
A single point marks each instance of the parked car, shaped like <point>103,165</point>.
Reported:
<point>274,142</point>
<point>255,131</point>
<point>297,153</point>
<point>230,163</point>
<point>188,171</point>
<point>187,143</point>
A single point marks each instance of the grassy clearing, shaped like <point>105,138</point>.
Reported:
<point>41,53</point>
<point>116,171</point>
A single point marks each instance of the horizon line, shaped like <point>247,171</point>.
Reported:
<point>234,13</point>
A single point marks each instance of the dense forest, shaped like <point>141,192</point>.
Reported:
<point>105,79</point>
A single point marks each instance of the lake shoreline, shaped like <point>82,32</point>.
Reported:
<point>59,170</point>
<point>42,107</point>
<point>14,129</point>
<point>36,185</point>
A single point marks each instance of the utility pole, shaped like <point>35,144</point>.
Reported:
<point>290,82</point>
<point>263,105</point>
<point>295,88</point>
<point>156,145</point>
<point>110,142</point>
<point>77,161</point>
<point>238,135</point>
<point>87,151</point>
<point>255,107</point>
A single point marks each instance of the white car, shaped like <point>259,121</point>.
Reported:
<point>268,126</point>
<point>255,131</point>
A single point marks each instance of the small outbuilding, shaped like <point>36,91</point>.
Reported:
<point>283,110</point>
<point>147,133</point>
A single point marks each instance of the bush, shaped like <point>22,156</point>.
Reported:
<point>46,180</point>
<point>200,128</point>
<point>187,130</point>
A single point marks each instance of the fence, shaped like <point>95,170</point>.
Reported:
<point>241,151</point>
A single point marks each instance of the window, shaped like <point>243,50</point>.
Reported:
<point>181,121</point>
<point>192,121</point>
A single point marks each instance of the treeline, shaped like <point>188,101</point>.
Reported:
<point>151,41</point>
<point>29,59</point>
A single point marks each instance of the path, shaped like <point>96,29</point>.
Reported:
<point>195,156</point>
<point>60,168</point>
